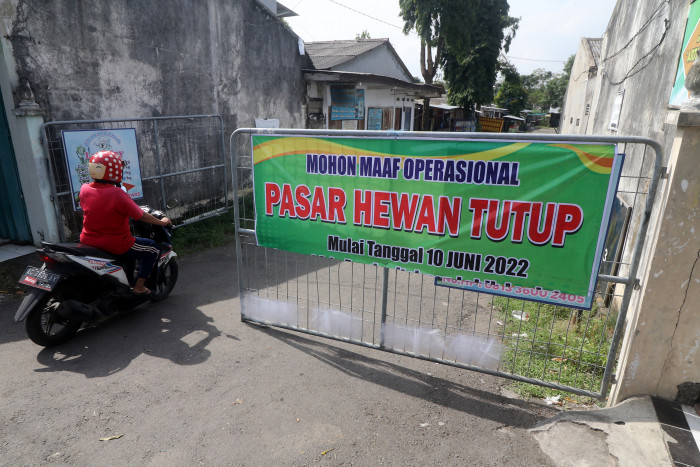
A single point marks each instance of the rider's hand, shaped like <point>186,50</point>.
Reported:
<point>167,221</point>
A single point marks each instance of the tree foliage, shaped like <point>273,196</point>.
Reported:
<point>471,76</point>
<point>363,35</point>
<point>511,94</point>
<point>546,89</point>
<point>440,24</point>
<point>464,37</point>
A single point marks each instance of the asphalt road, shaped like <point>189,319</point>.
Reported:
<point>185,382</point>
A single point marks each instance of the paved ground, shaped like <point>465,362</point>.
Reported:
<point>185,382</point>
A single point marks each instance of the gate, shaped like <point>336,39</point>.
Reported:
<point>403,312</point>
<point>14,224</point>
<point>182,163</point>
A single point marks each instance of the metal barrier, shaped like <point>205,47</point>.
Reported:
<point>182,159</point>
<point>405,313</point>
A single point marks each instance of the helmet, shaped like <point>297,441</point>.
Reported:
<point>107,166</point>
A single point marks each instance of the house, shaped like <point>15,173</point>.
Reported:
<point>583,83</point>
<point>360,84</point>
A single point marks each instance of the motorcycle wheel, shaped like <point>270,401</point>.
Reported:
<point>45,328</point>
<point>164,282</point>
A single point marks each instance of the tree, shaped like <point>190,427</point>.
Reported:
<point>471,76</point>
<point>441,25</point>
<point>363,35</point>
<point>536,85</point>
<point>546,89</point>
<point>511,94</point>
<point>467,37</point>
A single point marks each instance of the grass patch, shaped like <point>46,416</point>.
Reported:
<point>205,234</point>
<point>215,231</point>
<point>555,344</point>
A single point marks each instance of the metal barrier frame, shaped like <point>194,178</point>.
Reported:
<point>161,176</point>
<point>631,280</point>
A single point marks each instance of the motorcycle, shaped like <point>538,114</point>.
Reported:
<point>81,286</point>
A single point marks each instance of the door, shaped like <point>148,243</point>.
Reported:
<point>14,224</point>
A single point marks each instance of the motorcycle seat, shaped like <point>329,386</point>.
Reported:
<point>79,249</point>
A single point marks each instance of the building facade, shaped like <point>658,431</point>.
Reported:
<point>361,84</point>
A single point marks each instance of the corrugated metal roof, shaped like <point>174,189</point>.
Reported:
<point>327,54</point>
<point>596,46</point>
<point>422,90</point>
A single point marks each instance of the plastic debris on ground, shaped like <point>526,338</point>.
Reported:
<point>553,400</point>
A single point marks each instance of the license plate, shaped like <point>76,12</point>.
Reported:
<point>39,278</point>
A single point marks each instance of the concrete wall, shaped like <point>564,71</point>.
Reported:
<point>639,58</point>
<point>647,84</point>
<point>116,58</point>
<point>107,59</point>
<point>663,347</point>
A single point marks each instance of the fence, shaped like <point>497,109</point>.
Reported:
<point>182,161</point>
<point>405,313</point>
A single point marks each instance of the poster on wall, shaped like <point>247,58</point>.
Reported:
<point>374,119</point>
<point>689,52</point>
<point>519,219</point>
<point>347,103</point>
<point>80,145</point>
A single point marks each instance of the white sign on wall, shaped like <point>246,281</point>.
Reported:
<point>616,110</point>
<point>80,145</point>
<point>349,125</point>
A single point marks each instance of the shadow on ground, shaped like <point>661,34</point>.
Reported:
<point>109,348</point>
<point>480,403</point>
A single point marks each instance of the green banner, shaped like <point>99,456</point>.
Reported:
<point>520,219</point>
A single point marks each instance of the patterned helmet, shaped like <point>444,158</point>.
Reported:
<point>107,166</point>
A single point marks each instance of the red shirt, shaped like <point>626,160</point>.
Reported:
<point>106,213</point>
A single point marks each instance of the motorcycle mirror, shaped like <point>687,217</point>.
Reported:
<point>172,204</point>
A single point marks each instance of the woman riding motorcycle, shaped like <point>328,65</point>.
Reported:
<point>106,212</point>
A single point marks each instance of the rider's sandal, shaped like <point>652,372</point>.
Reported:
<point>147,292</point>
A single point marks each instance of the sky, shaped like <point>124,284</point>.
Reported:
<point>549,32</point>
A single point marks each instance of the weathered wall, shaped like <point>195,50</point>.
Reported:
<point>640,55</point>
<point>663,350</point>
<point>123,58</point>
<point>639,58</point>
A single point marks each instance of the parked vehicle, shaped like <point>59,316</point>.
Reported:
<point>80,286</point>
